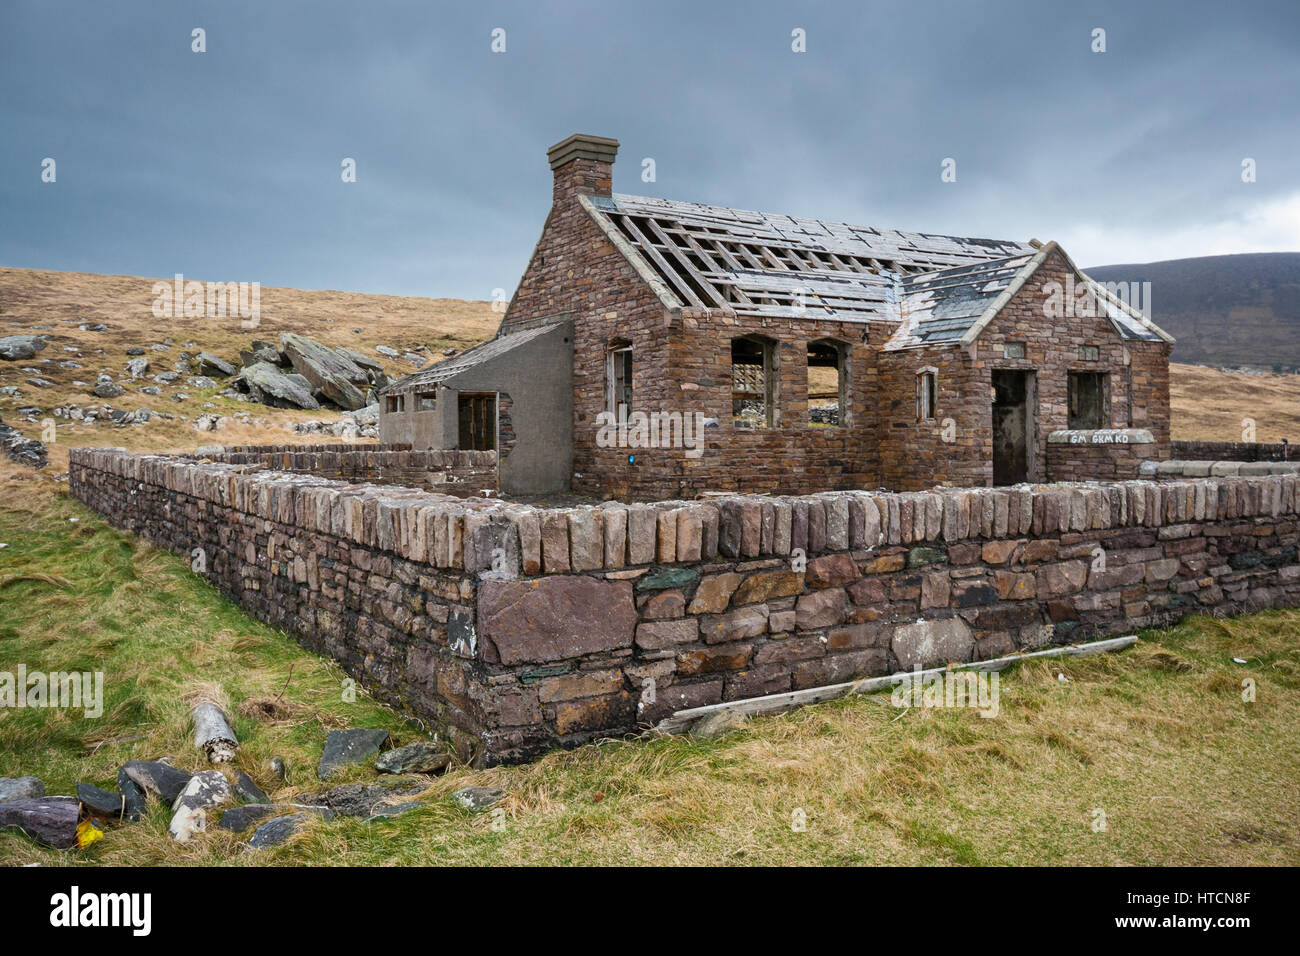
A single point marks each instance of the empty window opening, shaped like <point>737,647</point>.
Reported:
<point>927,387</point>
<point>753,389</point>
<point>426,401</point>
<point>1089,400</point>
<point>397,403</point>
<point>618,379</point>
<point>826,380</point>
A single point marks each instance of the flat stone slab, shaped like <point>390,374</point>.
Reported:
<point>108,804</point>
<point>346,747</point>
<point>418,757</point>
<point>246,789</point>
<point>555,618</point>
<point>360,799</point>
<point>394,810</point>
<point>239,819</point>
<point>277,831</point>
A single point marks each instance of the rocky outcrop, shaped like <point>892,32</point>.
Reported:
<point>330,373</point>
<point>270,386</point>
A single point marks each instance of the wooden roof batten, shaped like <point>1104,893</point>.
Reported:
<point>777,266</point>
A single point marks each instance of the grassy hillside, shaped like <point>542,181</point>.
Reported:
<point>65,300</point>
<point>1224,310</point>
<point>1157,738</point>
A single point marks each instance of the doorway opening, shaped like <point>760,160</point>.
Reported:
<point>477,413</point>
<point>1013,426</point>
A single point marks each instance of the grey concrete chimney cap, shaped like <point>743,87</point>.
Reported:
<point>582,146</point>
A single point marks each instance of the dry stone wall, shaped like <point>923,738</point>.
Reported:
<point>448,471</point>
<point>519,629</point>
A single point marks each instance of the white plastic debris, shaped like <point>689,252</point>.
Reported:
<point>1062,678</point>
<point>1238,660</point>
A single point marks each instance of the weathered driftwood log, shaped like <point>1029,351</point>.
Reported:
<point>48,820</point>
<point>213,734</point>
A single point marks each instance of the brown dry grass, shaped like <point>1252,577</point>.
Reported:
<point>63,300</point>
<point>1209,405</point>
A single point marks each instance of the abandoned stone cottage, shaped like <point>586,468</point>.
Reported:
<point>658,349</point>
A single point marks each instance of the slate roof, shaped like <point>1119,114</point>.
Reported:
<point>468,359</point>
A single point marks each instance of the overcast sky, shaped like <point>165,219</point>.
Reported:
<point>225,165</point>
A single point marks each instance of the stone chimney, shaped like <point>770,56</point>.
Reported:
<point>583,164</point>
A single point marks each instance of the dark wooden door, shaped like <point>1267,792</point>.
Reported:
<point>478,422</point>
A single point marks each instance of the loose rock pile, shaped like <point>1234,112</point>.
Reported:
<point>65,821</point>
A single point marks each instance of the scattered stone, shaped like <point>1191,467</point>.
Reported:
<point>200,381</point>
<point>21,788</point>
<point>209,423</point>
<point>135,350</point>
<point>210,364</point>
<point>278,768</point>
<point>476,799</point>
<point>108,804</point>
<point>25,451</point>
<point>394,810</point>
<point>207,789</point>
<point>133,797</point>
<point>360,799</point>
<point>239,819</point>
<point>14,348</point>
<point>277,831</point>
<point>48,820</point>
<point>418,757</point>
<point>156,777</point>
<point>247,789</point>
<point>346,747</point>
<point>38,382</point>
<point>108,389</point>
<point>137,367</point>
<point>387,352</point>
<point>95,327</point>
<point>151,390</point>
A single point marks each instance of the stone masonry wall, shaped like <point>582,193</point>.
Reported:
<point>461,474</point>
<point>1231,451</point>
<point>523,629</point>
<point>1110,454</point>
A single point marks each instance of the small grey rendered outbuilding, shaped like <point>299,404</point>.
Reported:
<point>512,394</point>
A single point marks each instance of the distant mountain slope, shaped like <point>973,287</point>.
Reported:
<point>1224,310</point>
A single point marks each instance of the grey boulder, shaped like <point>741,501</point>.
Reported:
<point>16,347</point>
<point>419,757</point>
<point>333,375</point>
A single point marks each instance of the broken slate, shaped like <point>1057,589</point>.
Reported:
<point>346,747</point>
<point>155,777</point>
<point>239,819</point>
<point>418,757</point>
<point>108,804</point>
<point>274,832</point>
<point>247,789</point>
<point>360,799</point>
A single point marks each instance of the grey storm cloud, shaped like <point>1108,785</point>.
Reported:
<point>225,165</point>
